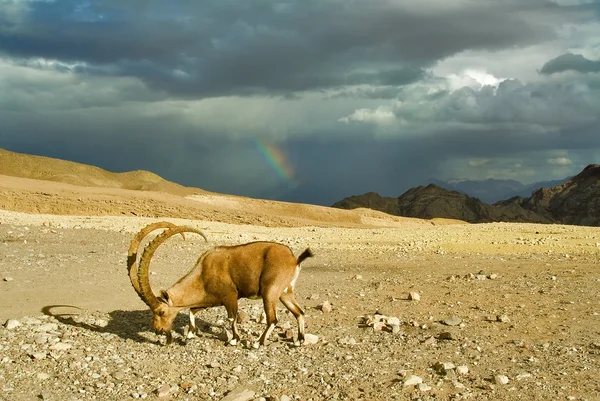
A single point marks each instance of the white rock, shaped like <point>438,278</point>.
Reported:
<point>501,380</point>
<point>47,327</point>
<point>414,296</point>
<point>43,376</point>
<point>325,307</point>
<point>285,398</point>
<point>163,391</point>
<point>424,387</point>
<point>239,394</point>
<point>8,279</point>
<point>310,339</point>
<point>12,323</point>
<point>462,370</point>
<point>61,346</point>
<point>393,321</point>
<point>412,381</point>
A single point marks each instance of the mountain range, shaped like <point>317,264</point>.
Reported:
<point>574,201</point>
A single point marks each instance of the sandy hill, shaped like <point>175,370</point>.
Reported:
<point>36,184</point>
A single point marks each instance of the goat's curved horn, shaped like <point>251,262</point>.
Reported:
<point>133,250</point>
<point>145,290</point>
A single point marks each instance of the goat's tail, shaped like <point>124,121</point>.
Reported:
<point>305,255</point>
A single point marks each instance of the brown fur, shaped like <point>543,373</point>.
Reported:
<point>222,276</point>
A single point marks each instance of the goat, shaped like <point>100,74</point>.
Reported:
<point>220,277</point>
<point>132,268</point>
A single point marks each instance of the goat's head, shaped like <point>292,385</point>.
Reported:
<point>163,310</point>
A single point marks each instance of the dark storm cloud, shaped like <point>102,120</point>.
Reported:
<point>570,62</point>
<point>210,48</point>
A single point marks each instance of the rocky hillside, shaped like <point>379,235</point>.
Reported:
<point>577,201</point>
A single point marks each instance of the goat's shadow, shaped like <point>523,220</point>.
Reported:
<point>127,324</point>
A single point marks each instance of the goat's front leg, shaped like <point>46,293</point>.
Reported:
<point>192,328</point>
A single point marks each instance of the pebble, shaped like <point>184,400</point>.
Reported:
<point>12,323</point>
<point>443,367</point>
<point>43,376</point>
<point>462,370</point>
<point>310,339</point>
<point>61,346</point>
<point>502,318</point>
<point>412,381</point>
<point>243,317</point>
<point>285,398</point>
<point>239,394</point>
<point>452,321</point>
<point>445,335</point>
<point>163,391</point>
<point>414,296</point>
<point>393,321</point>
<point>501,380</point>
<point>325,307</point>
<point>8,279</point>
<point>424,387</point>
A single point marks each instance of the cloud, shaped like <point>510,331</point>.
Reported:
<point>361,96</point>
<point>382,115</point>
<point>570,62</point>
<point>562,161</point>
<point>215,48</point>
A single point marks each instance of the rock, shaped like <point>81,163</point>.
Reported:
<point>285,398</point>
<point>379,326</point>
<point>61,346</point>
<point>524,375</point>
<point>430,341</point>
<point>452,321</point>
<point>8,279</point>
<point>443,367</point>
<point>243,317</point>
<point>225,336</point>
<point>38,355</point>
<point>239,394</point>
<point>501,380</point>
<point>462,370</point>
<point>43,376</point>
<point>47,327</point>
<point>502,318</point>
<point>412,380</point>
<point>325,307</point>
<point>423,387</point>
<point>357,277</point>
<point>310,339</point>
<point>393,321</point>
<point>493,276</point>
<point>395,328</point>
<point>12,323</point>
<point>445,335</point>
<point>414,296</point>
<point>163,391</point>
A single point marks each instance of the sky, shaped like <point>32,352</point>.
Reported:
<point>305,100</point>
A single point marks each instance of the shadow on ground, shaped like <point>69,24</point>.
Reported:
<point>127,324</point>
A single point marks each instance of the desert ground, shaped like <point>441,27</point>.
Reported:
<point>401,309</point>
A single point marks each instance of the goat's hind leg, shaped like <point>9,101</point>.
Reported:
<point>289,301</point>
<point>270,305</point>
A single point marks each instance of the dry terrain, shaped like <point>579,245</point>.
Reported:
<point>499,311</point>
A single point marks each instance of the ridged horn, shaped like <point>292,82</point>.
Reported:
<point>132,268</point>
<point>146,293</point>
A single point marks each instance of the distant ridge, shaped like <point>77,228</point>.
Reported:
<point>68,172</point>
<point>576,201</point>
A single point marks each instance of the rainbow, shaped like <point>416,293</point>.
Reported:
<point>277,160</point>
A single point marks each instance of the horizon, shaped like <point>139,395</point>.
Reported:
<point>307,102</point>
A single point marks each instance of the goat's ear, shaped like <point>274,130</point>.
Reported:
<point>164,297</point>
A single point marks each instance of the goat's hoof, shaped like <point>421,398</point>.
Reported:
<point>297,343</point>
<point>232,342</point>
